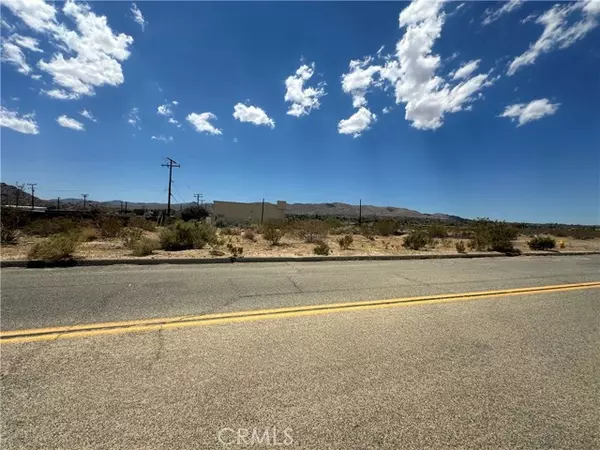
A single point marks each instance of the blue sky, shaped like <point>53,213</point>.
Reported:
<point>480,109</point>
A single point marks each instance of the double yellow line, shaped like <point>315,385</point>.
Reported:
<point>134,326</point>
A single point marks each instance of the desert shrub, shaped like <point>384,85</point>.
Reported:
<point>541,243</point>
<point>48,227</point>
<point>460,247</point>
<point>140,222</point>
<point>193,213</point>
<point>493,235</point>
<point>143,247</point>
<point>367,232</point>
<point>272,233</point>
<point>235,251</point>
<point>416,240</point>
<point>88,234</point>
<point>584,233</point>
<point>437,230</point>
<point>9,222</point>
<point>249,234</point>
<point>312,231</point>
<point>228,231</point>
<point>187,235</point>
<point>130,236</point>
<point>386,227</point>
<point>110,226</point>
<point>55,248</point>
<point>321,249</point>
<point>345,241</point>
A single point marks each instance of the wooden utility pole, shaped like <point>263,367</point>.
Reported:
<point>85,196</point>
<point>360,212</point>
<point>198,198</point>
<point>171,164</point>
<point>262,211</point>
<point>33,185</point>
<point>58,204</point>
<point>20,187</point>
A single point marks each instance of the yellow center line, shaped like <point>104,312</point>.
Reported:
<point>132,326</point>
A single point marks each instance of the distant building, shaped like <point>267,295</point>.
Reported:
<point>249,212</point>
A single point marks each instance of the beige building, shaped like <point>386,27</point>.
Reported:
<point>249,212</point>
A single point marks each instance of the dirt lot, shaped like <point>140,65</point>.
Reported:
<point>290,246</point>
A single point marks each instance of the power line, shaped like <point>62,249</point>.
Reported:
<point>33,185</point>
<point>171,164</point>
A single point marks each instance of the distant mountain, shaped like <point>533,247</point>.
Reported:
<point>10,193</point>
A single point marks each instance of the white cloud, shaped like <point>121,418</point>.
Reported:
<point>67,122</point>
<point>36,76</point>
<point>12,54</point>
<point>164,110</point>
<point>492,15</point>
<point>557,32</point>
<point>37,14</point>
<point>26,42</point>
<point>201,123</point>
<point>5,25</point>
<point>163,138</point>
<point>61,94</point>
<point>134,118</point>
<point>88,115</point>
<point>303,100</point>
<point>175,102</point>
<point>235,140</point>
<point>386,110</point>
<point>466,69</point>
<point>359,79</point>
<point>357,123</point>
<point>426,95</point>
<point>531,111</point>
<point>25,124</point>
<point>173,121</point>
<point>92,53</point>
<point>138,17</point>
<point>252,114</point>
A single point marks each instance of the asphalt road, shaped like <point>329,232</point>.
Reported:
<point>518,371</point>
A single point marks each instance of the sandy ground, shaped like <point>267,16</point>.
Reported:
<point>289,246</point>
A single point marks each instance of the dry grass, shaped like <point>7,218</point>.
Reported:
<point>290,245</point>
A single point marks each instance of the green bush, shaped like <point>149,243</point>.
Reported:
<point>460,247</point>
<point>416,240</point>
<point>187,235</point>
<point>541,243</point>
<point>272,233</point>
<point>345,241</point>
<point>144,246</point>
<point>110,226</point>
<point>193,213</point>
<point>386,227</point>
<point>321,249</point>
<point>494,236</point>
<point>437,230</point>
<point>55,248</point>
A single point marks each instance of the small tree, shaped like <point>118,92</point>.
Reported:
<point>272,233</point>
<point>321,249</point>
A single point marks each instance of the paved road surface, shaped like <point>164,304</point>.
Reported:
<point>502,372</point>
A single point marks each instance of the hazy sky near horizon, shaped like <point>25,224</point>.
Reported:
<point>479,109</point>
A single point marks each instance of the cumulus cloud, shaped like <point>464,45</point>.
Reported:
<point>360,78</point>
<point>252,114</point>
<point>526,112</point>
<point>12,54</point>
<point>201,122</point>
<point>67,122</point>
<point>491,15</point>
<point>88,115</point>
<point>26,42</point>
<point>25,124</point>
<point>133,118</point>
<point>426,95</point>
<point>558,33</point>
<point>61,94</point>
<point>138,17</point>
<point>466,69</point>
<point>90,56</point>
<point>164,110</point>
<point>162,138</point>
<point>360,121</point>
<point>303,100</point>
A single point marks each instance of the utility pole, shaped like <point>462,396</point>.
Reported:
<point>58,204</point>
<point>262,211</point>
<point>125,207</point>
<point>85,196</point>
<point>360,212</point>
<point>198,199</point>
<point>33,185</point>
<point>20,187</point>
<point>171,164</point>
